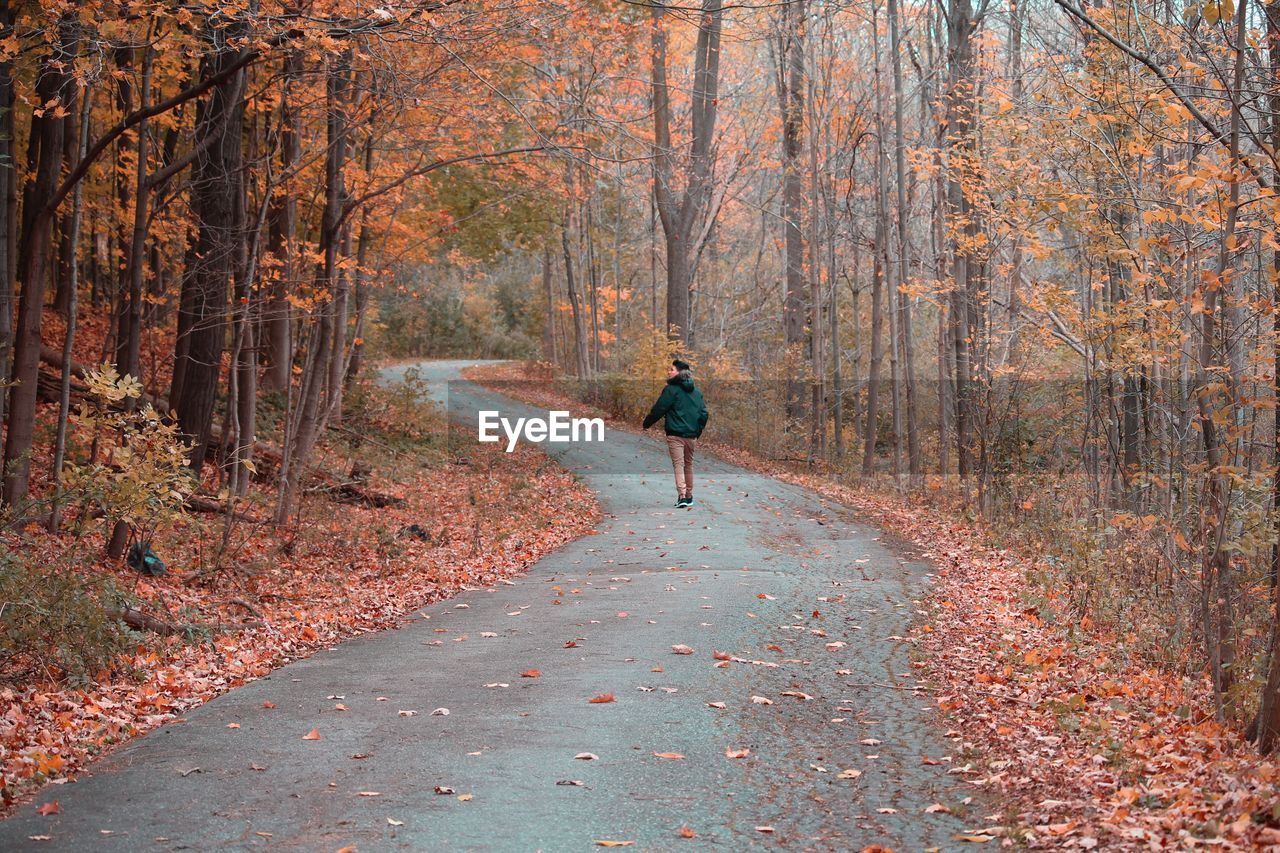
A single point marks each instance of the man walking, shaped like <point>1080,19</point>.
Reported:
<point>686,416</point>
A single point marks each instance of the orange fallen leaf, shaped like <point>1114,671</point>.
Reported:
<point>686,832</point>
<point>670,756</point>
<point>604,842</point>
<point>314,734</point>
<point>49,808</point>
<point>531,673</point>
<point>681,649</point>
<point>602,699</point>
<point>730,752</point>
<point>719,655</point>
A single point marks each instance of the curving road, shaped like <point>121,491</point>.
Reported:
<point>761,570</point>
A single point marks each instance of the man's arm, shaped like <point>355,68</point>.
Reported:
<point>660,408</point>
<point>702,417</point>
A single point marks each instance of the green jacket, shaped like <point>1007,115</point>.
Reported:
<point>682,405</point>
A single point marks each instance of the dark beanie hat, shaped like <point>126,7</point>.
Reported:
<point>680,364</point>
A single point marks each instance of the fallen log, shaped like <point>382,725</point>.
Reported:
<point>199,503</point>
<point>53,358</point>
<point>350,493</point>
<point>140,621</point>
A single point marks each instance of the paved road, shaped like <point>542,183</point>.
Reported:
<point>745,572</point>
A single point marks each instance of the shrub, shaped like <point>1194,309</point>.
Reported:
<point>137,472</point>
<point>52,620</point>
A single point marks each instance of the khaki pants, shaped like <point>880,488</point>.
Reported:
<point>681,450</point>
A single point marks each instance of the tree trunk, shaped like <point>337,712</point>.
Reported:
<point>684,219</point>
<point>310,415</point>
<point>276,327</point>
<point>8,209</point>
<point>914,465</point>
<point>581,366</point>
<point>68,342</point>
<point>204,287</point>
<point>1268,721</point>
<point>53,85</point>
<point>790,90</point>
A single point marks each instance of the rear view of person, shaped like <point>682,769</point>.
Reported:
<point>681,404</point>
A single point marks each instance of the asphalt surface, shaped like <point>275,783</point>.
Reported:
<point>766,572</point>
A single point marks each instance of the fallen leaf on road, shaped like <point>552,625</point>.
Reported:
<point>682,649</point>
<point>395,822</point>
<point>371,793</point>
<point>849,774</point>
<point>686,832</point>
<point>465,798</point>
<point>443,789</point>
<point>601,699</point>
<point>836,646</point>
<point>719,655</point>
<point>764,829</point>
<point>869,741</point>
<point>338,707</point>
<point>977,839</point>
<point>936,808</point>
<point>671,756</point>
<point>488,635</point>
<point>887,811</point>
<point>570,644</point>
<point>604,842</point>
<point>39,837</point>
<point>719,706</point>
<point>531,673</point>
<point>440,712</point>
<point>268,705</point>
<point>314,734</point>
<point>360,755</point>
<point>764,596</point>
<point>49,808</point>
<point>730,752</point>
<point>407,713</point>
<point>761,700</point>
<point>803,697</point>
<point>576,783</point>
<point>233,725</point>
<point>586,756</point>
<point>497,684</point>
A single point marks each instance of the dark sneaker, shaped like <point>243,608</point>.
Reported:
<point>688,501</point>
<point>680,502</point>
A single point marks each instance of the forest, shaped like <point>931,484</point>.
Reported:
<point>1018,260</point>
